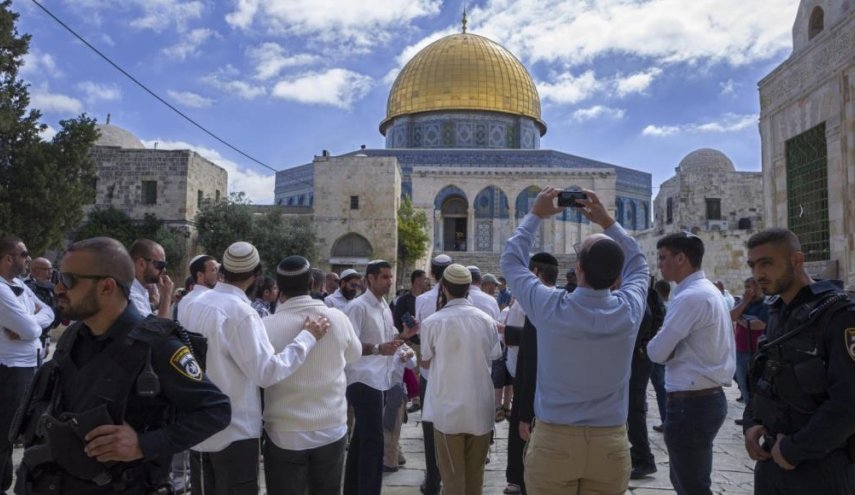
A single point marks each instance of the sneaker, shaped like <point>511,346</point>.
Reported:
<point>401,459</point>
<point>414,407</point>
<point>641,472</point>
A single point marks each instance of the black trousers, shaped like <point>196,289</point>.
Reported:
<point>231,471</point>
<point>13,385</point>
<point>433,480</point>
<point>363,472</point>
<point>636,422</point>
<point>832,475</point>
<point>298,472</point>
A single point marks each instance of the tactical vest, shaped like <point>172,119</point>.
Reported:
<point>71,400</point>
<point>789,370</point>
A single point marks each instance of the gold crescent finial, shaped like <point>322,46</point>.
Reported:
<point>464,17</point>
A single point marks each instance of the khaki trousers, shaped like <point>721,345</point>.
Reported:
<point>461,460</point>
<point>391,438</point>
<point>562,459</point>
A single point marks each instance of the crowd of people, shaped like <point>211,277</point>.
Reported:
<point>314,373</point>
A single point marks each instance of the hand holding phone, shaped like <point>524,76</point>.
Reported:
<point>568,198</point>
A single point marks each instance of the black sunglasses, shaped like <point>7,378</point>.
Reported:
<point>69,280</point>
<point>160,265</point>
<point>24,254</point>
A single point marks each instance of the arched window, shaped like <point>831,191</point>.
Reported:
<point>816,22</point>
<point>352,246</point>
<point>619,212</point>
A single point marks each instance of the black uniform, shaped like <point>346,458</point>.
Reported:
<point>139,372</point>
<point>803,386</point>
<point>522,408</point>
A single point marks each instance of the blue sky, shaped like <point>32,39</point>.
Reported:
<point>631,82</point>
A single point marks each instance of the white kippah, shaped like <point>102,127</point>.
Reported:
<point>195,259</point>
<point>350,272</point>
<point>241,257</point>
<point>442,260</point>
<point>457,274</point>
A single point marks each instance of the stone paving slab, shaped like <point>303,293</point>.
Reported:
<point>732,469</point>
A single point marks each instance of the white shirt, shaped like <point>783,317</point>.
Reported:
<point>372,321</point>
<point>188,298</point>
<point>461,342</point>
<point>516,318</point>
<point>139,298</point>
<point>695,342</point>
<point>18,315</point>
<point>426,306</point>
<point>336,300</point>
<point>240,358</point>
<point>309,409</point>
<point>484,302</point>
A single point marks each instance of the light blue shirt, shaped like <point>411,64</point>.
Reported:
<point>585,339</point>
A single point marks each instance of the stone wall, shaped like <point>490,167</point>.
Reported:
<point>376,182</point>
<point>815,85</point>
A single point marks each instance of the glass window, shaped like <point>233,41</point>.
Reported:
<point>149,192</point>
<point>807,192</point>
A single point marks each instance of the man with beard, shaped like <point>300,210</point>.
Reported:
<point>799,426</point>
<point>22,317</point>
<point>122,392</point>
<point>348,287</point>
<point>150,268</point>
<point>40,283</point>
<point>204,270</point>
<point>240,359</point>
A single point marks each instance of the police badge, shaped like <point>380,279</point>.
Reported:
<point>186,364</point>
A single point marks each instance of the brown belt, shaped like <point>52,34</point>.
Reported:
<point>683,394</point>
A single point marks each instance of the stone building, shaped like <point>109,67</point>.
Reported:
<point>170,184</point>
<point>710,199</point>
<point>807,129</point>
<point>463,129</point>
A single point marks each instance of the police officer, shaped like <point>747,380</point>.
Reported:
<point>122,393</point>
<point>800,425</point>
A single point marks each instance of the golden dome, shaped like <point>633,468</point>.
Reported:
<point>464,72</point>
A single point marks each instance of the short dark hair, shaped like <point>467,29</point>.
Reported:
<point>416,274</point>
<point>113,259</point>
<point>778,236</point>
<point>684,242</point>
<point>502,279</point>
<point>9,245</point>
<point>142,248</point>
<point>375,266</point>
<point>264,284</point>
<point>189,282</point>
<point>663,288</point>
<point>547,267</point>
<point>456,291</point>
<point>318,276</point>
<point>293,285</point>
<point>602,263</point>
<point>236,278</point>
<point>198,266</point>
<point>476,276</point>
<point>436,270</point>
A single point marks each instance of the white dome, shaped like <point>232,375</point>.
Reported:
<point>706,160</point>
<point>117,137</point>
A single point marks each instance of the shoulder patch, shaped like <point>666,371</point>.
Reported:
<point>183,361</point>
<point>849,336</point>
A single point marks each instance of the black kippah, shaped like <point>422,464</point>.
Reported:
<point>544,259</point>
<point>293,266</point>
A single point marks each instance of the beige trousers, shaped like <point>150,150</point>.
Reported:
<point>561,459</point>
<point>461,458</point>
<point>391,439</point>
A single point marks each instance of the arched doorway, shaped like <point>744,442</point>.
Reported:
<point>350,250</point>
<point>455,216</point>
<point>491,205</point>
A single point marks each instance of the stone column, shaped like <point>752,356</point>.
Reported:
<point>470,229</point>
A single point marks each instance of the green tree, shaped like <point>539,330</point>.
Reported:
<point>223,222</point>
<point>277,237</point>
<point>412,235</point>
<point>43,185</point>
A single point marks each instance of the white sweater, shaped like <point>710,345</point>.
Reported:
<point>313,398</point>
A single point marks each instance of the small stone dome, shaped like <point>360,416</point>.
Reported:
<point>706,160</point>
<point>117,137</point>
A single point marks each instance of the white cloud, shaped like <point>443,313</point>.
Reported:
<point>38,62</point>
<point>598,112</point>
<point>728,87</point>
<point>270,58</point>
<point>99,92</point>
<point>42,99</point>
<point>567,88</point>
<point>190,44</point>
<point>636,83</point>
<point>729,122</point>
<point>158,14</point>
<point>335,87</point>
<point>347,24</point>
<point>666,31</point>
<point>47,133</point>
<point>190,99</point>
<point>226,80</point>
<point>257,186</point>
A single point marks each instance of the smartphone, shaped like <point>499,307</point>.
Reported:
<point>568,198</point>
<point>408,320</point>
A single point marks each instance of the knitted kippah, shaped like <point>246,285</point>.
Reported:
<point>348,274</point>
<point>457,274</point>
<point>241,257</point>
<point>442,260</point>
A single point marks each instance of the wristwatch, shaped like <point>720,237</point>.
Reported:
<point>375,350</point>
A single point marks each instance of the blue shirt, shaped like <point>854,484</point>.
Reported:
<point>585,338</point>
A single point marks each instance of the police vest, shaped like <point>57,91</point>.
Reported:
<point>789,370</point>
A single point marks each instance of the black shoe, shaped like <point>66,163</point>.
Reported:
<point>740,399</point>
<point>739,422</point>
<point>413,408</point>
<point>390,469</point>
<point>641,472</point>
<point>423,489</point>
<point>659,428</point>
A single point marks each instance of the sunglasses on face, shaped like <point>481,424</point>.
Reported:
<point>157,264</point>
<point>24,254</point>
<point>69,280</point>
